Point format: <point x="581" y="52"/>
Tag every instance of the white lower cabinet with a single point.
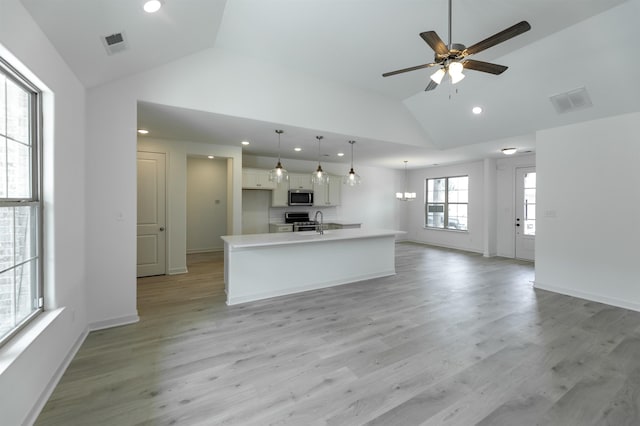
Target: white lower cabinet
<point x="280" y="227"/>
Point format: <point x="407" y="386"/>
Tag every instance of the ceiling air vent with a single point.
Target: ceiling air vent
<point x="114" y="43"/>
<point x="571" y="101"/>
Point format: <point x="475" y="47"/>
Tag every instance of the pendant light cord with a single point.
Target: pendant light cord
<point x="279" y="132"/>
<point x="352" y="142"/>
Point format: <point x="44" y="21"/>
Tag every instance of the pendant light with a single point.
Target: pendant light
<point x="319" y="177"/>
<point x="352" y="179"/>
<point x="278" y="174"/>
<point x="406" y="195"/>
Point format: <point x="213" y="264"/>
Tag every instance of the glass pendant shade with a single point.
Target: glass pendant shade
<point x="406" y="195"/>
<point x="319" y="177"/>
<point x="352" y="178"/>
<point x="278" y="174"/>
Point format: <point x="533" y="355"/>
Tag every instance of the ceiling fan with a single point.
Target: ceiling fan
<point x="452" y="58"/>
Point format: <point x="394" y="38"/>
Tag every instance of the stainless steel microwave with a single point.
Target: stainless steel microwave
<point x="300" y="197"/>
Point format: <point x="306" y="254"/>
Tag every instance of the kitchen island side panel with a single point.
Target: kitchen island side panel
<point x="255" y="273"/>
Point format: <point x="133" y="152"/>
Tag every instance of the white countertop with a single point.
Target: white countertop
<point x="274" y="239"/>
<point x="343" y="222"/>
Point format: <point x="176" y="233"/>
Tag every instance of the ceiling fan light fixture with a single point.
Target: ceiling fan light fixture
<point x="455" y="72"/>
<point x="455" y="68"/>
<point x="456" y="78"/>
<point x="438" y="76"/>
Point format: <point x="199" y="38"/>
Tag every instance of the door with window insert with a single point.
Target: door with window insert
<point x="525" y="220"/>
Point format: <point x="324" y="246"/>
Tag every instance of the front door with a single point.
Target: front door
<point x="525" y="220"/>
<point x="151" y="240"/>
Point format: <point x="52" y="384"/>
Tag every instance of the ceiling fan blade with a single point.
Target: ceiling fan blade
<point x="432" y="85"/>
<point x="504" y="35"/>
<point x="496" y="69"/>
<point x="435" y="42"/>
<point x="417" y="67"/>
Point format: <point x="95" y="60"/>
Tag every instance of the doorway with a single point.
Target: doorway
<point x="525" y="209"/>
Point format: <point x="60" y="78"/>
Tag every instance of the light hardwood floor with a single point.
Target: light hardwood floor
<point x="453" y="338"/>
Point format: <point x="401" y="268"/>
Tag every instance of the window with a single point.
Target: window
<point x="20" y="223"/>
<point x="530" y="203"/>
<point x="447" y="202"/>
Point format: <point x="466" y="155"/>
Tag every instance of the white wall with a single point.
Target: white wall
<point x="371" y="203"/>
<point x="177" y="153"/>
<point x="471" y="240"/>
<point x="588" y="209"/>
<point x="31" y="363"/>
<point x="206" y="204"/>
<point x="491" y="206"/>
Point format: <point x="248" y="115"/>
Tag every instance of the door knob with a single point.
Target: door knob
<point x="162" y="228"/>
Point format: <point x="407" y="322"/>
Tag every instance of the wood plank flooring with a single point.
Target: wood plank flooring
<point x="453" y="338"/>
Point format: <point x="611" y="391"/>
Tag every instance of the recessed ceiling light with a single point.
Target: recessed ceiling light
<point x="210" y="157"/>
<point x="143" y="131"/>
<point x="509" y="151"/>
<point x="297" y="149"/>
<point x="152" y="6"/>
<point x="340" y="154"/>
<point x="245" y="142"/>
<point x="476" y="110"/>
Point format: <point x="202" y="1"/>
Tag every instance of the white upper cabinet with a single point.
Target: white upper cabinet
<point x="328" y="194"/>
<point x="256" y="179"/>
<point x="300" y="181"/>
<point x="279" y="195"/>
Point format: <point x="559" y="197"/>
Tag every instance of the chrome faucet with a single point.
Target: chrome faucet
<point x="319" y="228"/>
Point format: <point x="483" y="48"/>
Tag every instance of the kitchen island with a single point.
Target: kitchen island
<point x="260" y="266"/>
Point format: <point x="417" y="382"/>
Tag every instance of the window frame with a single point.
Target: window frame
<point x="36" y="127"/>
<point x="446" y="203"/>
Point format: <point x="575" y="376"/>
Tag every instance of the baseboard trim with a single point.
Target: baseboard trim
<point x="589" y="296"/>
<point x="55" y="379"/>
<point x="268" y="295"/>
<point x="113" y="322"/>
<point x="467" y="249"/>
<point x="209" y="250"/>
<point x="178" y="271"/>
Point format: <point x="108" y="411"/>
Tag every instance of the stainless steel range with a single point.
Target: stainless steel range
<point x="300" y="221"/>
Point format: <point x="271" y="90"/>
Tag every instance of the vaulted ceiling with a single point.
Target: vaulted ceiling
<point x="572" y="44"/>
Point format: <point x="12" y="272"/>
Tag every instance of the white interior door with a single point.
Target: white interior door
<point x="525" y="220"/>
<point x="151" y="235"/>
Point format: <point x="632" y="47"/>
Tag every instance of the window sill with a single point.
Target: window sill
<point x="12" y="350"/>
<point x="457" y="231"/>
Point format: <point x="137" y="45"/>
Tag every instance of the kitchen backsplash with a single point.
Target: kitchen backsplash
<point x="276" y="214"/>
